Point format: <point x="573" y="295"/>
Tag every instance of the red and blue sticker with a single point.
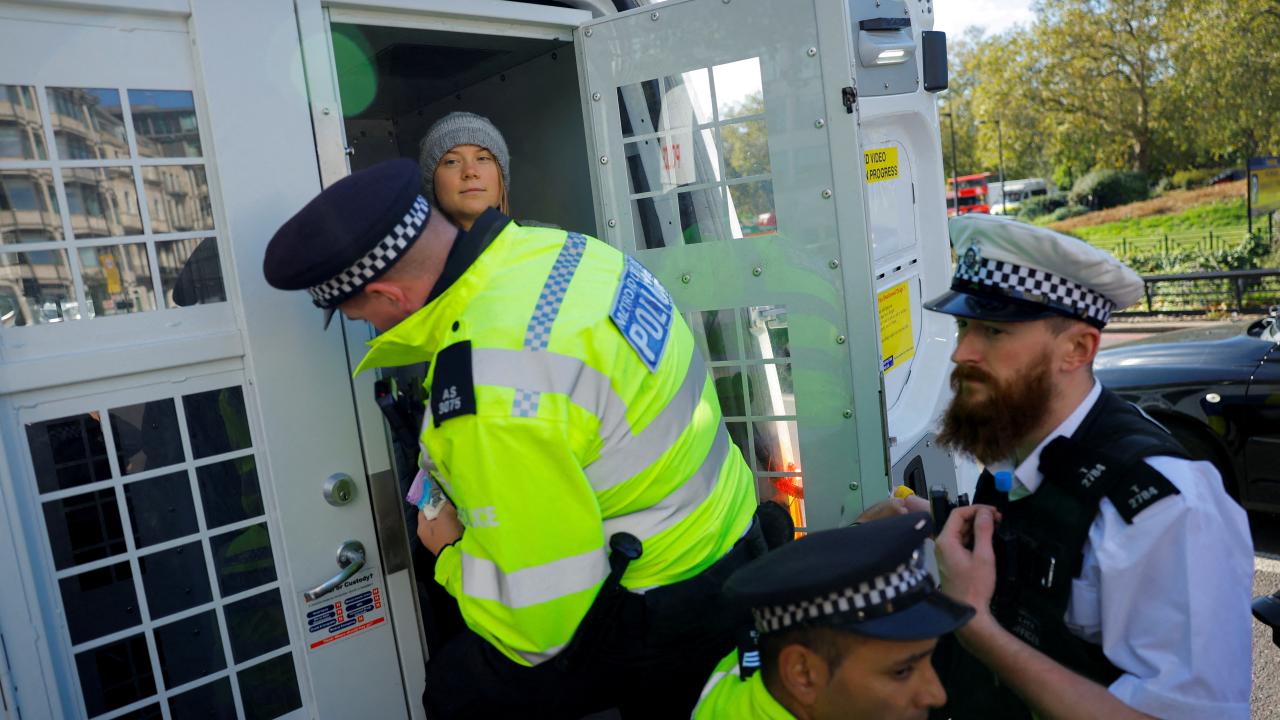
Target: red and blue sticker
<point x="357" y="605"/>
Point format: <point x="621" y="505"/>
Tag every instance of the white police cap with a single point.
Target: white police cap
<point x="1009" y="271"/>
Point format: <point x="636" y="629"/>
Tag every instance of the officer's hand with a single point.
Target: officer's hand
<point x="893" y="507"/>
<point x="440" y="531"/>
<point x="915" y="503"/>
<point x="968" y="575"/>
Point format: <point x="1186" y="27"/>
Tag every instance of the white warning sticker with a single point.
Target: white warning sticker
<point x="356" y="606"/>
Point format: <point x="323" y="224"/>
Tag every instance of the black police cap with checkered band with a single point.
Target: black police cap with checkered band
<point x="349" y="235"/>
<point x="869" y="579"/>
<point x="1007" y="271"/>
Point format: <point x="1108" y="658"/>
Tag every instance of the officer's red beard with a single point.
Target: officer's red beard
<point x="991" y="425"/>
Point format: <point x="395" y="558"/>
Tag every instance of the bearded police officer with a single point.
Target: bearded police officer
<point x="573" y="426"/>
<point x="847" y="620"/>
<point x="1111" y="572"/>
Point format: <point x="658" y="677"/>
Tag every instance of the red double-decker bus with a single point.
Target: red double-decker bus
<point x="973" y="195"/>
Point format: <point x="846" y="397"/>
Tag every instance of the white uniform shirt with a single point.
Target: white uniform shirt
<point x="1168" y="596"/>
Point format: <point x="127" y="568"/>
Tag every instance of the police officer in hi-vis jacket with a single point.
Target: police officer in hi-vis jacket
<point x="595" y="501"/>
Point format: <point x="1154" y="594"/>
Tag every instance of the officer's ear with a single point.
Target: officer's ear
<point x="1079" y="344"/>
<point x="384" y="291"/>
<point x="803" y="673"/>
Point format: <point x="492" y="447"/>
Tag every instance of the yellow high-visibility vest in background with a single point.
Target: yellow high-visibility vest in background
<point x="728" y="695"/>
<point x="553" y="425"/>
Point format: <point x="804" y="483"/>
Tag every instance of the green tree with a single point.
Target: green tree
<point x="957" y="100"/>
<point x="1025" y="130"/>
<point x="1228" y="69"/>
<point x="746" y="152"/>
<point x="1102" y="68"/>
<point x="1150" y="85"/>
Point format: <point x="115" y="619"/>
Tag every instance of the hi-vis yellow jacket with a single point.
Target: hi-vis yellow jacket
<point x="551" y="430"/>
<point x="727" y="696"/>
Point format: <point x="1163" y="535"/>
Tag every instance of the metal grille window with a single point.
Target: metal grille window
<point x="697" y="151"/>
<point x="163" y="559"/>
<point x="747" y="351"/>
<point x="104" y="202"/>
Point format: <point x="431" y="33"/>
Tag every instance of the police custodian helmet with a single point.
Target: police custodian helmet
<point x="349" y="235"/>
<point x="1008" y="271"/>
<point x="869" y="579"/>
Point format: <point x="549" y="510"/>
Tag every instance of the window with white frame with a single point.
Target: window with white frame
<point x="134" y="229"/>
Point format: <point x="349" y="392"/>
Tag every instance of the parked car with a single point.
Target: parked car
<point x="1217" y="389"/>
<point x="1227" y="176"/>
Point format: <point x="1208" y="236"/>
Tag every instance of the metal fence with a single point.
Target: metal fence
<point x="1169" y="243"/>
<point x="1209" y="292"/>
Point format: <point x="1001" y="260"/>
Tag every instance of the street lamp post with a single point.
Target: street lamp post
<point x="955" y="191"/>
<point x="1000" y="150"/>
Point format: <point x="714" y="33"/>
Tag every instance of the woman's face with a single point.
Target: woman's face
<point x="468" y="182"/>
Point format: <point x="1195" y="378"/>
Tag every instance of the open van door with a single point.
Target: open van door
<point x="781" y="189"/>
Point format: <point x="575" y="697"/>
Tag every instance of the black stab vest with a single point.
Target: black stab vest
<point x="1039" y="549"/>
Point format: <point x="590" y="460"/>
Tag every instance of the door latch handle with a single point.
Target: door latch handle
<point x="350" y="559"/>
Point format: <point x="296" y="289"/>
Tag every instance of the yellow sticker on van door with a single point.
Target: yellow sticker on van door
<point x="882" y="164"/>
<point x="897" y="341"/>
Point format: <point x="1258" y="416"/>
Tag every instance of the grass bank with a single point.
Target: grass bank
<point x="1176" y="213"/>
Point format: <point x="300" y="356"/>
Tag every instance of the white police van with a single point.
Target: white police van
<point x="185" y="453"/>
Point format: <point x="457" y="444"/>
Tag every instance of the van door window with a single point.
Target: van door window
<point x="697" y="155"/>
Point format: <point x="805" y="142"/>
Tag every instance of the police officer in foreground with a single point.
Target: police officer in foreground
<point x="847" y="620"/>
<point x="1110" y="571"/>
<point x="572" y="425"/>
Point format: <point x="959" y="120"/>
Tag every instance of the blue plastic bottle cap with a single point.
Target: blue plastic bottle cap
<point x="1004" y="480"/>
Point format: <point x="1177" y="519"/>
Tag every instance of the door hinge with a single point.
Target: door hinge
<point x="848" y="96"/>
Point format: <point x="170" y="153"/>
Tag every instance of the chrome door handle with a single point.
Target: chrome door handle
<point x="350" y="559"/>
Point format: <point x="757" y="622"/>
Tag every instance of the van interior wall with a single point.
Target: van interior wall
<point x="537" y="107"/>
<point x="372" y="140"/>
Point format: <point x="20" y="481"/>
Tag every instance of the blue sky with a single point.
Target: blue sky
<point x="953" y="16"/>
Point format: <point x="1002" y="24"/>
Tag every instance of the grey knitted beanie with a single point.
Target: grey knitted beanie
<point x="452" y="130"/>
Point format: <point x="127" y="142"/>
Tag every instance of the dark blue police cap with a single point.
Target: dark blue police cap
<point x="349" y="235"/>
<point x="869" y="579"/>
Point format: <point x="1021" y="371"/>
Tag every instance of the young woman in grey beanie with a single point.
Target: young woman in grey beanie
<point x="465" y="167"/>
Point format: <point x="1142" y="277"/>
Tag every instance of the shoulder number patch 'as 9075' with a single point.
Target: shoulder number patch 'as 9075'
<point x="643" y="312"/>
<point x="453" y="391"/>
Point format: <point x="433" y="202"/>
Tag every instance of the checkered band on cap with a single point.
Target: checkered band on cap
<point x="870" y="599"/>
<point x="342" y="286"/>
<point x="1038" y="286"/>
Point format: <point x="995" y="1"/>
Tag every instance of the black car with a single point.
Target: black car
<point x="1217" y="389"/>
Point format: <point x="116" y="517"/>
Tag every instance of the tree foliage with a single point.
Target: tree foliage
<point x="746" y="153"/>
<point x="1103" y="188"/>
<point x="1152" y="86"/>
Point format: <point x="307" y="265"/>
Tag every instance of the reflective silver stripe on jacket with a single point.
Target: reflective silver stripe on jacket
<point x="624" y="454"/>
<point x="545" y="311"/>
<point x="548" y="372"/>
<point x="537" y="658"/>
<point x="483" y="580"/>
<point x="712" y="683"/>
<point x="682" y="501"/>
